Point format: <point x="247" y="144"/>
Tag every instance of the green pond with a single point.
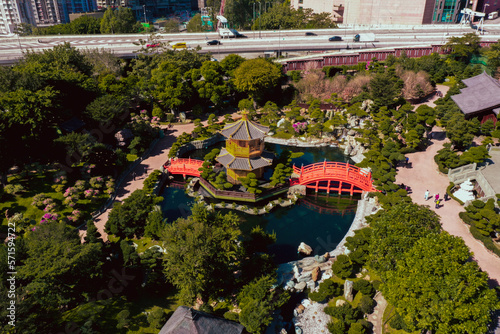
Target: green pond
<point x="320" y="220"/>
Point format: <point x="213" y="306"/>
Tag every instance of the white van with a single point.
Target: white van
<point x="492" y="15"/>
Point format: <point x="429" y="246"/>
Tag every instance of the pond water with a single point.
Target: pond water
<point x="319" y="220"/>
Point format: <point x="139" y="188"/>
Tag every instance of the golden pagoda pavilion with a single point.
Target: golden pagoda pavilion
<point x="244" y="152"/>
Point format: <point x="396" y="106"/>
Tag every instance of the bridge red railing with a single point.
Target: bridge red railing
<point x="311" y="175"/>
<point x="184" y="167"/>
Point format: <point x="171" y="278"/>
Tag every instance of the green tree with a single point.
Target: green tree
<point x="92" y="235"/>
<point x="230" y="63"/>
<point x="169" y="84"/>
<point x="58" y="267"/>
<point x="395" y="230"/>
<point x="202" y="252"/>
<point x="435" y="287"/>
<point x="209" y="82"/>
<point x="475" y="155"/>
<point x="155" y="224"/>
<point x="463" y="47"/>
<point x="157" y="317"/>
<point x="257" y="301"/>
<point x="256" y="76"/>
<point x="118" y="21"/>
<point x="128" y="219"/>
<point x="194" y="25"/>
<point x="251" y="183"/>
<point x="342" y="267"/>
<point x="459" y="132"/>
<point x="85" y="25"/>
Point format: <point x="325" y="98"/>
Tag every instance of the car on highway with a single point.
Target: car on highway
<point x="335" y="39"/>
<point x="179" y="45"/>
<point x="153" y="45"/>
<point x="310" y="34"/>
<point x="238" y="35"/>
<point x="214" y="42"/>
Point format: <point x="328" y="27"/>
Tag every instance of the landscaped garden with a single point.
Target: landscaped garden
<point x="77" y="120"/>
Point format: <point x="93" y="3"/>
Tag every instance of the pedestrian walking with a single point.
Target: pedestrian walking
<point x="133" y="175"/>
<point x="436" y="197"/>
<point x="426" y="195"/>
<point x="446" y="197"/>
<point x="437" y="204"/>
<point x="407" y="161"/>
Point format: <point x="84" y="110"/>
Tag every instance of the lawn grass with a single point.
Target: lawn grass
<point x="37" y="183"/>
<point x="144" y="243"/>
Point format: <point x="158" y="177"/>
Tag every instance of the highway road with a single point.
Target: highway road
<point x="256" y="44"/>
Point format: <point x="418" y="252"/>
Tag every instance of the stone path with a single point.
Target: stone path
<point x="158" y="156"/>
<point x="376" y="318"/>
<point x="423" y="176"/>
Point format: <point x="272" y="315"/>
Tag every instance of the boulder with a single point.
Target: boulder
<point x="296" y="271"/>
<point x="289" y="285"/>
<point x="340" y="302"/>
<point x="305" y="249"/>
<point x="319" y="258"/>
<point x="305" y="277"/>
<point x="311" y="285"/>
<point x="326" y="256"/>
<point x="301" y="286"/>
<point x="348" y="149"/>
<point x="348" y="290"/>
<point x="298" y="330"/>
<point x="316" y="274"/>
<point x="306" y="302"/>
<point x="351" y="133"/>
<point x="300" y="309"/>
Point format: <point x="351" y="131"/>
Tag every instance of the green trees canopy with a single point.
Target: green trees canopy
<point x="463" y="47"/>
<point x="257" y="301"/>
<point x="256" y="76"/>
<point x="169" y="85"/>
<point x="209" y="82"/>
<point x="118" y="21"/>
<point x="58" y="267"/>
<point x="202" y="251"/>
<point x="128" y="219"/>
<point x="394" y="231"/>
<point x="435" y="287"/>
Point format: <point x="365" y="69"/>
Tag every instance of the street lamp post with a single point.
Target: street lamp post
<point x="279" y="41"/>
<point x="144" y="7"/>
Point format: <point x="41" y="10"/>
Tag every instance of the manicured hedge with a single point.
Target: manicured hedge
<point x="448" y="191"/>
<point x="487" y="242"/>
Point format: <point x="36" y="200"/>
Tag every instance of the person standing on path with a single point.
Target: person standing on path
<point x="437" y="204"/>
<point x="407" y="161"/>
<point x="426" y="195"/>
<point x="437" y="197"/>
<point x="133" y="175"/>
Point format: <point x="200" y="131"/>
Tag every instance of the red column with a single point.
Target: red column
<point x="352" y="189"/>
<point x="340" y="187"/>
<point x="328" y="187"/>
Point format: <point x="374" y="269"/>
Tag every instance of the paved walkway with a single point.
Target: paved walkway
<point x="423" y="176"/>
<point x="158" y="156"/>
<point x="376" y="318"/>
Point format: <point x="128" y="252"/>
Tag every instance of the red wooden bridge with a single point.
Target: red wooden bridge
<point x="328" y="175"/>
<point x="336" y="175"/>
<point x="184" y="167"/>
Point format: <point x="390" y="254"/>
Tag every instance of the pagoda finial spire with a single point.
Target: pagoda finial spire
<point x="244" y="115"/>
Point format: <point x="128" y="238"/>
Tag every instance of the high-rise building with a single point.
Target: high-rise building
<point x="381" y="12"/>
<point x="12" y="13"/>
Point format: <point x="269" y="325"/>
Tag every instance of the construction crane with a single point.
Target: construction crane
<point x="468" y="17"/>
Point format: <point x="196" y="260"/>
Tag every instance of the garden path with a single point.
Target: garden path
<point x="376" y="318"/>
<point x="158" y="156"/>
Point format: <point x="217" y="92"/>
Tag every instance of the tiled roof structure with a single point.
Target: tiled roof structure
<point x="482" y="93"/>
<point x="244" y="130"/>
<point x="231" y="162"/>
<point x="185" y="320"/>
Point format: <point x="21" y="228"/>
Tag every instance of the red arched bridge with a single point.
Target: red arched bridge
<point x="336" y="176"/>
<point x="184" y="167"/>
<point x="328" y="175"/>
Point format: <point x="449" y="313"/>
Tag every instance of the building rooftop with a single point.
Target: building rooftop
<point x="186" y="320"/>
<point x="244" y="130"/>
<point x="231" y="162"/>
<point x="482" y="93"/>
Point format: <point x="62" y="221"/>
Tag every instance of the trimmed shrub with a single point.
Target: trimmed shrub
<point x="366" y="305"/>
<point x="364" y="287"/>
<point x="342" y="267"/>
<point x="327" y="289"/>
